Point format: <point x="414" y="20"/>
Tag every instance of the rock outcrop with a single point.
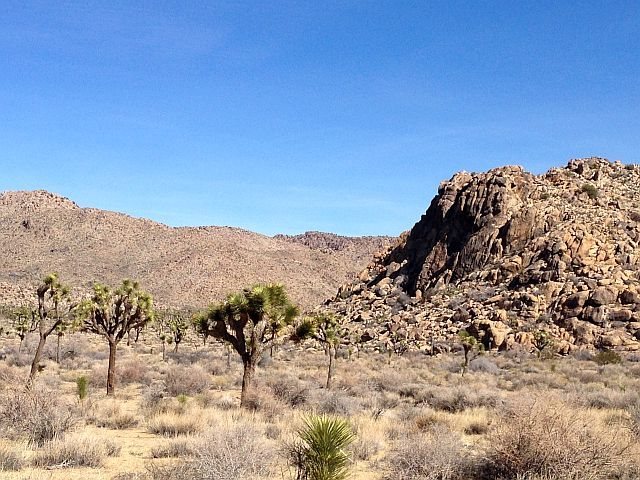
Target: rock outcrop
<point x="505" y="254"/>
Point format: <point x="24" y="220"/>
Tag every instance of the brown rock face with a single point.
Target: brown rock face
<point x="505" y="253"/>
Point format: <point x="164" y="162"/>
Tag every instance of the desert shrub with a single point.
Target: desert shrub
<point x="132" y="370"/>
<point x="607" y="398"/>
<point x="172" y="425"/>
<point x="263" y="401"/>
<point x="582" y="355"/>
<point x="112" y="416"/>
<point x="132" y="476"/>
<point x="9" y="375"/>
<point x="437" y="455"/>
<point x="607" y="357"/>
<point x="186" y="380"/>
<point x="153" y="399"/>
<point x="75" y="451"/>
<point x="174" y="447"/>
<point x="336" y="403"/>
<point x="237" y="452"/>
<point x="10" y="459"/>
<point x="590" y="190"/>
<point x="35" y="415"/>
<point x="543" y="436"/>
<point x="456" y="399"/>
<point x="289" y="391"/>
<point x="483" y="364"/>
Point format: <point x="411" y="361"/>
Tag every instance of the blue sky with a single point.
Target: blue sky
<point x="288" y="116"/>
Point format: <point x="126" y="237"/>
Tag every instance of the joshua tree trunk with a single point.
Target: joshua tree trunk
<point x="111" y="371"/>
<point x="58" y="349"/>
<point x="36" y="359"/>
<point x="247" y="381"/>
<point x="331" y="367"/>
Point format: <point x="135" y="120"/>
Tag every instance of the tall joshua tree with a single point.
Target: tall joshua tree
<point x="54" y="310"/>
<point x="250" y="322"/>
<point x="114" y="312"/>
<point x="324" y="329"/>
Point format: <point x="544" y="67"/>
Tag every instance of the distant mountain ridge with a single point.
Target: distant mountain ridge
<point x="42" y="232"/>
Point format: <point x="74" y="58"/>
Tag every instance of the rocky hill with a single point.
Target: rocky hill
<point x="41" y="232"/>
<point x="507" y="254"/>
<point x="360" y="249"/>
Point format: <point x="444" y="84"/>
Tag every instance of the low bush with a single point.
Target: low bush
<point x="175" y="447"/>
<point x="172" y="425"/>
<point x="436" y="455"/>
<point x="543" y="436"/>
<point x="229" y="453"/>
<point x="190" y="380"/>
<point x="75" y="451"/>
<point x="36" y="415"/>
<point x="10" y="459"/>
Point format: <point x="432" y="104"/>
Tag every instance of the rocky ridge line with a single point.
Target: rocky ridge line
<point x="507" y="253"/>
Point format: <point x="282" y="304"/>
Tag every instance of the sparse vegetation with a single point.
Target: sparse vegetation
<point x="591" y="190"/>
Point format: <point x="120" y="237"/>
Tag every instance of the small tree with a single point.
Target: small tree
<point x="178" y="326"/>
<point x="324" y="329"/>
<point x="470" y="347"/>
<point x="542" y="340"/>
<point x="113" y="313"/>
<point x="200" y="322"/>
<point x="54" y="309"/>
<point x="250" y="321"/>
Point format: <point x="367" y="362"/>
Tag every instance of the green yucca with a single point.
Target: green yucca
<point x="322" y="453"/>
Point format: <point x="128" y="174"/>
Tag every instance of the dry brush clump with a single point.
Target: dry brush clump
<point x="183" y="380"/>
<point x="235" y="452"/>
<point x="36" y="415"/>
<point x="438" y="454"/>
<point x="75" y="451"/>
<point x="10" y="459"/>
<point x="543" y="436"/>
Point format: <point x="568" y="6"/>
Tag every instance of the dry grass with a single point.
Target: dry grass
<point x="172" y="424"/>
<point x="416" y="418"/>
<point x="75" y="451"/>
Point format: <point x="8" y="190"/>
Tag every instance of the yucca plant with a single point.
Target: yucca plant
<point x="321" y="454"/>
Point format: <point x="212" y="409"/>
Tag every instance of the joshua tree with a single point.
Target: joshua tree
<point x="178" y="326"/>
<point x="324" y="329"/>
<point x="200" y="322"/>
<point x="250" y="322"/>
<point x="541" y="340"/>
<point x="112" y="313"/>
<point x="54" y="310"/>
<point x="470" y="346"/>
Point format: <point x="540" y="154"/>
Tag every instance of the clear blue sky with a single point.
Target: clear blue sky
<point x="286" y="116"/>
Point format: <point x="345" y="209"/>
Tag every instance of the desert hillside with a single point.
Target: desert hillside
<point x="41" y="232"/>
<point x="506" y="255"/>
